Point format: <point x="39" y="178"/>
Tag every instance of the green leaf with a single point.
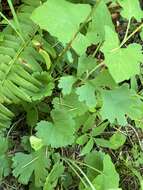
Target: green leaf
<point x="131" y="9"/>
<point x="81" y="43"/>
<point x="52" y="178"/>
<point x="85" y="64"/>
<point x="82" y="139"/>
<point x="115" y="142"/>
<point x="86" y="93"/>
<point x="24" y="165"/>
<point x="46" y="57"/>
<point x="66" y="84"/>
<point x="109" y="179"/>
<point x="95" y="160"/>
<point x="120" y="102"/>
<point x="32" y="116"/>
<point x="4" y="160"/>
<point x="36" y="143"/>
<point x="95" y="32"/>
<point x="88" y="147"/>
<point x="89" y="123"/>
<point x="122" y="63"/>
<point x="103" y="79"/>
<point x="64" y="24"/>
<point x="101" y="17"/>
<point x="60" y="133"/>
<point x="70" y="104"/>
<point x="97" y="130"/>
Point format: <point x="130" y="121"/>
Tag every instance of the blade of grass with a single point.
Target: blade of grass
<point x="76" y="172"/>
<point x="81" y="171"/>
<point x="14" y="15"/>
<point x="12" y="26"/>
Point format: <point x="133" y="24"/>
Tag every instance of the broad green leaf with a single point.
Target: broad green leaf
<point x="60" y="133"/>
<point x="81" y="43"/>
<point x="115" y="142"/>
<point x="88" y="147"/>
<point x="95" y="160"/>
<point x="70" y="104"/>
<point x="102" y="142"/>
<point x="103" y="79"/>
<point x="89" y="123"/>
<point x="66" y="84"/>
<point x="97" y="130"/>
<point x="32" y="116"/>
<point x="120" y="102"/>
<point x="101" y="17"/>
<point x="85" y="64"/>
<point x="82" y="139"/>
<point x="52" y="178"/>
<point x="24" y="165"/>
<point x="85" y="121"/>
<point x="139" y="123"/>
<point x="61" y="18"/>
<point x="131" y="9"/>
<point x="122" y="63"/>
<point x="86" y="93"/>
<point x="95" y="32"/>
<point x="109" y="179"/>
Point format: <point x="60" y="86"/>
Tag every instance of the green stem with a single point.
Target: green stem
<point x="126" y="34"/>
<point x="75" y="172"/>
<point x="84" y="175"/>
<point x="78" y="31"/>
<point x="12" y="26"/>
<point x="134" y="32"/>
<point x="94" y="69"/>
<point x="96" y="170"/>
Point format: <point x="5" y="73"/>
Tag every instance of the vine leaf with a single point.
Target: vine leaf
<point x="86" y="93"/>
<point x="115" y="142"/>
<point x="122" y="63"/>
<point x="101" y="17"/>
<point x="66" y="24"/>
<point x="60" y="133"/>
<point x="85" y="64"/>
<point x="66" y="84"/>
<point x="70" y="104"/>
<point x="120" y="102"/>
<point x="25" y="164"/>
<point x="131" y="9"/>
<point x="52" y="178"/>
<point x="109" y="179"/>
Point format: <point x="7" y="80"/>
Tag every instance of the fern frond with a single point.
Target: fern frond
<point x="21" y="76"/>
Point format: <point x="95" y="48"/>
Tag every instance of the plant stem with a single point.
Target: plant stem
<point x="75" y="172"/>
<point x="94" y="69"/>
<point x="76" y="166"/>
<point x="134" y="32"/>
<point x="78" y="31"/>
<point x="12" y="26"/>
<point x="126" y="34"/>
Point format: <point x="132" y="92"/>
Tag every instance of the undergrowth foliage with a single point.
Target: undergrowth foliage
<point x="71" y="95"/>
